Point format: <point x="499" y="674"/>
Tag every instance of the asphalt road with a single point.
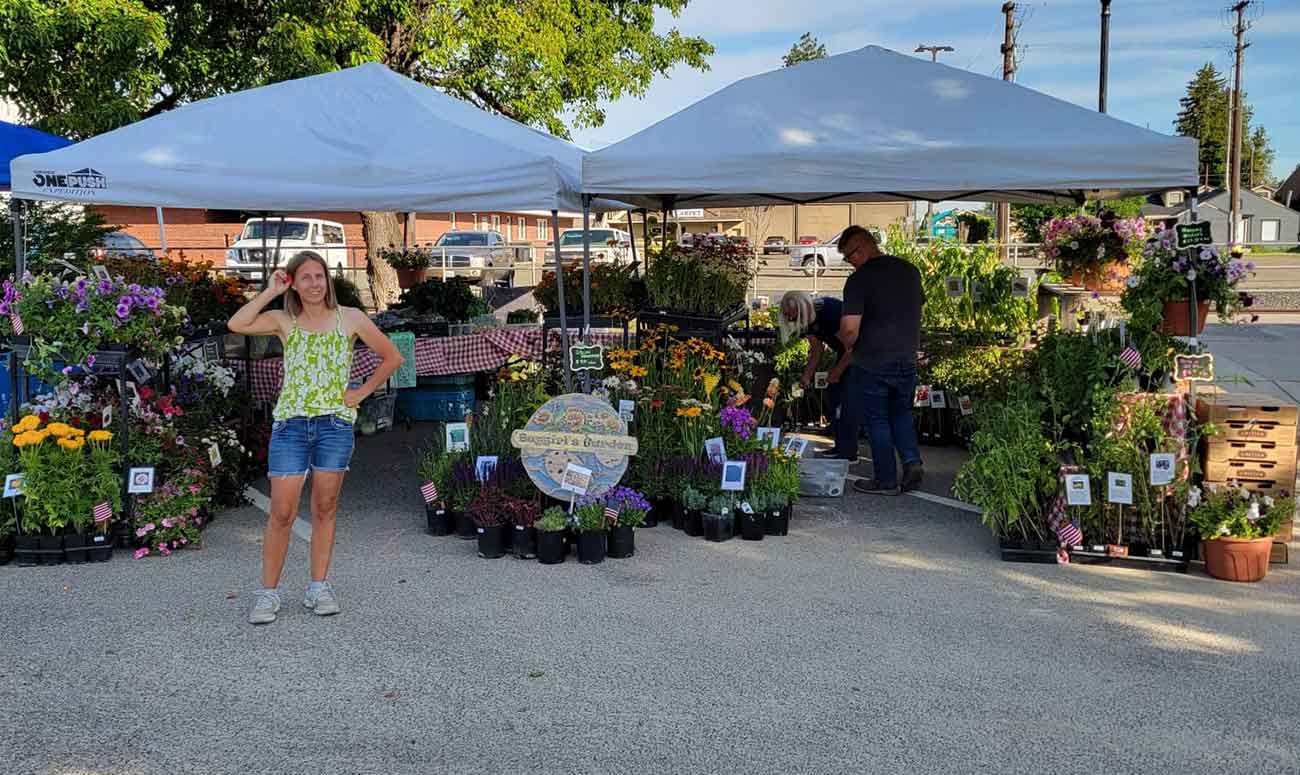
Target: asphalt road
<point x="882" y="636"/>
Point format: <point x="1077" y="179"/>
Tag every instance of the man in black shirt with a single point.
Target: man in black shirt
<point x="881" y="325"/>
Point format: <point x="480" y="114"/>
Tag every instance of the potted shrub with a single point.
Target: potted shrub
<point x="435" y="470"/>
<point x="625" y="510"/>
<point x="753" y="515"/>
<point x="719" y="520"/>
<point x="550" y="536"/>
<point x="694" y="503"/>
<point x="1237" y="529"/>
<point x="1158" y="295"/>
<point x="589" y="515"/>
<point x="411" y="264"/>
<point x="489" y="514"/>
<point x="1094" y="252"/>
<point x="464" y="487"/>
<point x="523" y="516"/>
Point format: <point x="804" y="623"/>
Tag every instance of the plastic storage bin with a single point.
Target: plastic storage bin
<point x="435" y="404"/>
<point x="822" y="478"/>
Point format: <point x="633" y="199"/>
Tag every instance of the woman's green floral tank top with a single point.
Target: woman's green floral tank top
<point x="316" y="371"/>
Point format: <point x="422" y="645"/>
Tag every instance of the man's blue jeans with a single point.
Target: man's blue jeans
<point x="881" y="397"/>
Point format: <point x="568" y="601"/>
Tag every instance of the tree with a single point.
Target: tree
<point x="1030" y="219"/>
<point x="51" y="229"/>
<point x="1203" y="115"/>
<point x="758" y="223"/>
<point x="805" y="49"/>
<point x="86" y="67"/>
<point x="1257" y="153"/>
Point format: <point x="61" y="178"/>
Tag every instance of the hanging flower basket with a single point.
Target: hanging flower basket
<point x="1110" y="277"/>
<point x="1176" y="321"/>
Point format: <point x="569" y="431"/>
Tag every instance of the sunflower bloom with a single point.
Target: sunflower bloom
<point x="710" y="383"/>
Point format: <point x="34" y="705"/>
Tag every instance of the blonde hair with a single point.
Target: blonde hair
<point x="292" y="301"/>
<point x="804" y="312"/>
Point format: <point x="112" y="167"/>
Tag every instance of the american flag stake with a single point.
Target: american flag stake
<point x="1069" y="533"/>
<point x="17" y="322"/>
<point x="429" y="491"/>
<point x="611" y="515"/>
<point x="102" y="512"/>
<point x="1131" y="357"/>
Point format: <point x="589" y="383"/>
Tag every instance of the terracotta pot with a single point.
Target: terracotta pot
<point x="1111" y="277"/>
<point x="1237" y="559"/>
<point x="1176" y="322"/>
<point x="407" y="278"/>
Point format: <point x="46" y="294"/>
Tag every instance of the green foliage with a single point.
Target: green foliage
<point x="553" y="520"/>
<point x="1029" y="220"/>
<point x="1203" y="115"/>
<point x="983" y="373"/>
<point x="709" y="278"/>
<point x="805" y="49"/>
<point x="693" y="499"/>
<point x="1012" y="471"/>
<point x="1226" y="511"/>
<point x="50" y="230"/>
<point x="614" y="289"/>
<point x="1075" y="376"/>
<point x="346" y="293"/>
<point x="979" y="227"/>
<point x="720" y="507"/>
<point x="522" y="316"/>
<point x="453" y="299"/>
<point x="590" y="516"/>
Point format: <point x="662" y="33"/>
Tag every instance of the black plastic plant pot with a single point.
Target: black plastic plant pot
<point x="51" y="551"/>
<point x="74" y="549"/>
<point x="719" y="527"/>
<point x="525" y="542"/>
<point x="491" y="542"/>
<point x="6" y="550"/>
<point x="1018" y="550"/>
<point x="679" y="516"/>
<point x="694" y="523"/>
<point x="99" y="547"/>
<point x="751" y="525"/>
<point x="27" y="550"/>
<point x="550" y="547"/>
<point x="622" y="542"/>
<point x="591" y="547"/>
<point x="776" y="522"/>
<point x="439" y="521"/>
<point x="465" y="526"/>
<point x="123" y="536"/>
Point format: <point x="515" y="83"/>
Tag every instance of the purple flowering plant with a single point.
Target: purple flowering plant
<point x="1168" y="274"/>
<point x="1080" y="245"/>
<point x="630" y="504"/>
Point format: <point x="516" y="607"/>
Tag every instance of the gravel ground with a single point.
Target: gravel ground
<point x="881" y="635"/>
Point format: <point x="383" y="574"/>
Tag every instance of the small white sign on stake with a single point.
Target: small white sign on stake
<point x="1119" y="488"/>
<point x="795" y="446"/>
<point x="140" y="481"/>
<point x="576" y="479"/>
<point x="626" y="409"/>
<point x="214" y="454"/>
<point x="819" y="379"/>
<point x="1020" y="287"/>
<point x="715" y="449"/>
<point x="922" y="397"/>
<point x="967" y="408"/>
<point x="1078" y="490"/>
<point x="771" y="435"/>
<point x="733" y="476"/>
<point x="106" y="417"/>
<point x="13" y="485"/>
<point x="484" y="465"/>
<point x="457" y="437"/>
<point x="1162" y="468"/>
<point x="938" y="400"/>
<point x="955" y="286"/>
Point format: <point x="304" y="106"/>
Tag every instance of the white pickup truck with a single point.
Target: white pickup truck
<point x="823" y="255"/>
<point x="607" y="245"/>
<point x="295" y="235"/>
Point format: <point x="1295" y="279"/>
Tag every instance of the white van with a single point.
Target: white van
<point x="296" y="235"/>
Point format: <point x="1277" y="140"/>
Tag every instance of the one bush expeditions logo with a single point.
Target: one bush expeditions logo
<point x="84" y="181"/>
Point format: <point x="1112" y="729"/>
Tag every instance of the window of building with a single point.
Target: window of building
<point x="521" y="225"/>
<point x="1270" y="229"/>
<point x="453" y="219"/>
<point x="541" y="229"/>
<point x="473" y="221"/>
<point x="496" y="223"/>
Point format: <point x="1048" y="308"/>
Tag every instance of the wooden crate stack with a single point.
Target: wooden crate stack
<point x="1256" y="446"/>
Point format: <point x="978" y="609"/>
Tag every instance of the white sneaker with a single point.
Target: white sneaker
<point x="265" y="606"/>
<point x="323" y="602"/>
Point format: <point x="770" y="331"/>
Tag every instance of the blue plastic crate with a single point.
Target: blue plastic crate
<point x="419" y="404"/>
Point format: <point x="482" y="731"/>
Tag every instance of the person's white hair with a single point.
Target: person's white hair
<point x="805" y="310"/>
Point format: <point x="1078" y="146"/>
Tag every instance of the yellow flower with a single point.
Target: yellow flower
<point x="698" y="374"/>
<point x="20" y="440"/>
<point x="71" y="444"/>
<point x="710" y="382"/>
<point x="58" y="429"/>
<point x="101" y="436"/>
<point x="638" y="371"/>
<point x="734" y="385"/>
<point x="689" y="411"/>
<point x="28" y="423"/>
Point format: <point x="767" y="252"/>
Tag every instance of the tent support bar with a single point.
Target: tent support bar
<point x="20" y="257"/>
<point x="631" y="237"/>
<point x="586" y="283"/>
<point x="559" y="289"/>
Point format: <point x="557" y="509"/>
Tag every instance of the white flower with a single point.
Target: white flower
<point x="611" y="382"/>
<point x="1223" y="530"/>
<point x="1132" y="282"/>
<point x="1252" y="513"/>
<point x="630" y="386"/>
<point x="1074" y="246"/>
<point x="1194" y="497"/>
<point x="1268" y="501"/>
<point x="1191" y="274"/>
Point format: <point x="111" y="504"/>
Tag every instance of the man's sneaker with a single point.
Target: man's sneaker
<point x="913" y="473"/>
<point x="322" y="601"/>
<point x="872" y="487"/>
<point x="265" y="606"/>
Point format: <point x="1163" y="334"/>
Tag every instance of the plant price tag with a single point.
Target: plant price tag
<point x="819" y="380"/>
<point x="745" y="507"/>
<point x="771" y="435"/>
<point x="715" y="449"/>
<point x="733" y="476"/>
<point x="955" y="286"/>
<point x="1162" y="468"/>
<point x="1119" y="488"/>
<point x="106" y="418"/>
<point x="1078" y="490"/>
<point x="1020" y="287"/>
<point x="938" y="400"/>
<point x="140" y="481"/>
<point x="457" y="437"/>
<point x="214" y="454"/>
<point x="13" y="485"/>
<point x="967" y="408"/>
<point x="626" y="409"/>
<point x="922" y="397"/>
<point x="484" y="465"/>
<point x="576" y="479"/>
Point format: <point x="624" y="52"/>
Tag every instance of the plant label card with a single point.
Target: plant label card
<point x="967" y="408"/>
<point x="586" y="357"/>
<point x="820" y="379"/>
<point x="1119" y="488"/>
<point x="771" y="435"/>
<point x="214" y="454"/>
<point x="795" y="446"/>
<point x="13" y="485"/>
<point x="576" y="479"/>
<point x="922" y="396"/>
<point x="484" y="465"/>
<point x="1020" y="287"/>
<point x="457" y="437"/>
<point x="626" y="409"/>
<point x="976" y="292"/>
<point x="1078" y="490"/>
<point x="955" y="286"/>
<point x="1162" y="469"/>
<point x="211" y="350"/>
<point x="938" y="400"/>
<point x="106" y="417"/>
<point x="140" y="481"/>
<point x="135" y="393"/>
<point x="101" y="273"/>
<point x="745" y="507"/>
<point x="138" y="371"/>
<point x="733" y="476"/>
<point x="715" y="449"/>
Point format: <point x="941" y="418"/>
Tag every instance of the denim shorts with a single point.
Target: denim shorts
<point x="321" y="443"/>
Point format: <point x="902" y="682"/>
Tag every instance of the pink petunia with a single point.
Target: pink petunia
<point x="141" y="552"/>
<point x="149" y="528"/>
<point x="163" y="550"/>
<point x="168" y="522"/>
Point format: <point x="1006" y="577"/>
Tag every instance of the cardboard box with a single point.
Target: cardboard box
<point x="1274" y="487"/>
<point x="1222" y="407"/>
<point x="1222" y="450"/>
<point x="1252" y="430"/>
<point x="1249" y="471"/>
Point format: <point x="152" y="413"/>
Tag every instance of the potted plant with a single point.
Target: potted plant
<point x="782" y="486"/>
<point x="523" y="516"/>
<point x="1159" y="292"/>
<point x="435" y="473"/>
<point x="550" y="536"/>
<point x="589" y="516"/>
<point x="1094" y="252"/>
<point x="719" y="519"/>
<point x="753" y="515"/>
<point x="694" y="502"/>
<point x="489" y="514"/>
<point x="625" y="509"/>
<point x="411" y="264"/>
<point x="1237" y="529"/>
<point x="464" y="487"/>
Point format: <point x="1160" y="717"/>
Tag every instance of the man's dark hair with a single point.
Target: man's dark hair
<point x="850" y="233"/>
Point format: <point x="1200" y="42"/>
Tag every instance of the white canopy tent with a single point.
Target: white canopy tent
<point x="877" y="125"/>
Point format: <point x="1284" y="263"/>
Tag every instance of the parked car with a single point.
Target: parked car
<point x="294" y="235"/>
<point x="775" y="245"/>
<point x="475" y="253"/>
<point x="612" y="245"/>
<point x="808" y="239"/>
<point x="823" y="255"/>
<point x="119" y="244"/>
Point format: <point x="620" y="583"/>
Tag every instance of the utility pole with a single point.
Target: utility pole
<point x="1234" y="179"/>
<point x="1008" y="74"/>
<point x="934" y="51"/>
<point x="1105" y="55"/>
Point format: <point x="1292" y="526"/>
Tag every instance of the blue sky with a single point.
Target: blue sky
<point x="1156" y="47"/>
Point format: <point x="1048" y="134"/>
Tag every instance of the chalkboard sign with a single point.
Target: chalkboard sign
<point x="1193" y="234"/>
<point x="586" y="357"/>
<point x="1194" y="368"/>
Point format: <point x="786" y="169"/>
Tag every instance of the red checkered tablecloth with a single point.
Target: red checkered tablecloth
<point x="484" y="351"/>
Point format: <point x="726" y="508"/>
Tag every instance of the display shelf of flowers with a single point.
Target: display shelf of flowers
<point x="700" y="289"/>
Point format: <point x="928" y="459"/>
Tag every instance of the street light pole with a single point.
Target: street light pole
<point x="1105" y="55"/>
<point x="934" y="51"/>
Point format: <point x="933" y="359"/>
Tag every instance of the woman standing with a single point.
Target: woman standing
<point x="312" y="430"/>
<point x="819" y="320"/>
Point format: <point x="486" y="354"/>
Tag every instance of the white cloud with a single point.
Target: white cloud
<point x="797" y="137"/>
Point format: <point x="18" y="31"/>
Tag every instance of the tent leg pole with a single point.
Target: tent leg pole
<point x="586" y="282"/>
<point x="20" y="257"/>
<point x="266" y="278"/>
<point x="162" y="230"/>
<point x="631" y="236"/>
<point x="559" y="290"/>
